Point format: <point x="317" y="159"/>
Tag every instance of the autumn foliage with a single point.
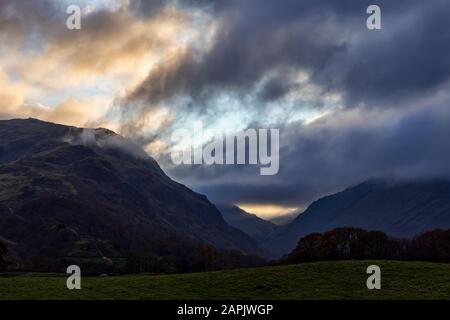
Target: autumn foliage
<point x="358" y="244"/>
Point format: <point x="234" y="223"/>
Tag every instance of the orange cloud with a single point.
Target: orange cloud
<point x="74" y="76"/>
<point x="110" y="43"/>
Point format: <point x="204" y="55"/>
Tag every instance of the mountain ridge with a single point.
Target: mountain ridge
<point x="257" y="228"/>
<point x="402" y="208"/>
<point x="67" y="190"/>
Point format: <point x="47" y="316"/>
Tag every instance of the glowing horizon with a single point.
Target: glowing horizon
<point x="268" y="211"/>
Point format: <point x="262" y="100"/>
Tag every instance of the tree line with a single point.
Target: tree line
<point x="359" y="244"/>
<point x="338" y="244"/>
<point x="194" y="258"/>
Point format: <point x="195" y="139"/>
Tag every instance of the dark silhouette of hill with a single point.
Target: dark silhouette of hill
<point x="257" y="228"/>
<point x="71" y="192"/>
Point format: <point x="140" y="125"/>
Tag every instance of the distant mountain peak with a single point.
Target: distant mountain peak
<point x="257" y="228"/>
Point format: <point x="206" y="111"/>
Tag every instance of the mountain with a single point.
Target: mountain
<point x="283" y="219"/>
<point x="70" y="192"/>
<point x="255" y="227"/>
<point x="401" y="209"/>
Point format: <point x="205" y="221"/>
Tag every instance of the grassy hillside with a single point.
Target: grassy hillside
<point x="321" y="280"/>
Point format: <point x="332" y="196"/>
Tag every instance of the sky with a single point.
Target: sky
<point x="351" y="103"/>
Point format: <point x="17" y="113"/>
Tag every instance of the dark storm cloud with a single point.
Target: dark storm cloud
<point x="404" y="65"/>
<point x="410" y="60"/>
<point x="415" y="145"/>
<point x="335" y="153"/>
<point x="327" y="38"/>
<point x="253" y="38"/>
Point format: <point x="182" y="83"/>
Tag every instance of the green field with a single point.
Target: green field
<point x="320" y="280"/>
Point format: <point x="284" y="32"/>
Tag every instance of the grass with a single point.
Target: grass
<point x="319" y="280"/>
